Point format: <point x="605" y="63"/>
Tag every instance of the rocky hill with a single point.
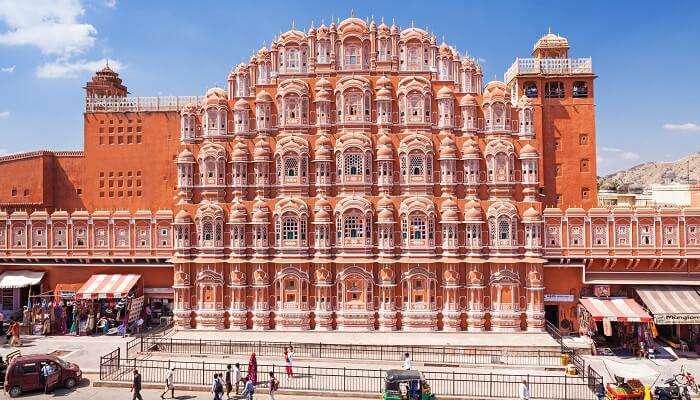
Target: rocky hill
<point x="652" y="172"/>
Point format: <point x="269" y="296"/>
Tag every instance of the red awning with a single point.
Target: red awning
<point x="107" y="286"/>
<point x="615" y="310"/>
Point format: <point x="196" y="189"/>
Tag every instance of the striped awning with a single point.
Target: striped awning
<point x="615" y="310"/>
<point x="672" y="304"/>
<point x="107" y="286"/>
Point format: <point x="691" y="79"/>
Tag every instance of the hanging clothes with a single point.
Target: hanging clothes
<point x="607" y="327"/>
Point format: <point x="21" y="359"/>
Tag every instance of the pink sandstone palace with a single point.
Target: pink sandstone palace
<point x="358" y="176"/>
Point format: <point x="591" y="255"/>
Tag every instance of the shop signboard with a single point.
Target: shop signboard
<point x="601" y="290"/>
<point x="558" y="298"/>
<point x="676" y="319"/>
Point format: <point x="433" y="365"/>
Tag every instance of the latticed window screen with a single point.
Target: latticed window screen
<point x="290" y="229"/>
<point x="645" y="237"/>
<point x="416" y="163"/>
<point x="576" y="238"/>
<point x="291" y="166"/>
<point x="353" y="164"/>
<point x="352" y="226"/>
<point x="503" y="229"/>
<point x="207" y="230"/>
<point x="418" y="228"/>
<point x="600" y="235"/>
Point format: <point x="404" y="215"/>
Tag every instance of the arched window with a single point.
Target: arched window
<point x="291" y="166"/>
<point x="416" y="164"/>
<point x="352" y="57"/>
<point x="207" y="231"/>
<point x="580" y="89"/>
<point x="554" y="90"/>
<point x="414" y="107"/>
<point x="530" y="89"/>
<point x="293" y="60"/>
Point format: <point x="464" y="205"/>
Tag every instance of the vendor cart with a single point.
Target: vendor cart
<point x="630" y="389"/>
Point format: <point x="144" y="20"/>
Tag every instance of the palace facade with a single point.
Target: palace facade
<point x="354" y="176"/>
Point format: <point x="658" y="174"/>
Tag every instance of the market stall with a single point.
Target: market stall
<point x="617" y="325"/>
<point x="676" y="312"/>
<point x="108" y="304"/>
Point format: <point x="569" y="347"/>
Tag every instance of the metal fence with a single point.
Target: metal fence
<point x="438" y="355"/>
<point x="479" y="385"/>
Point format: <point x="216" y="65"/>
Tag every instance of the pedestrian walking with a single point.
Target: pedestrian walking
<point x="237" y="376"/>
<point x="407" y="363"/>
<point x="253" y="369"/>
<point x="273" y="384"/>
<point x="136" y="386"/>
<point x="169" y="383"/>
<point x="217" y="388"/>
<point x="600" y="391"/>
<point x="46" y="371"/>
<point x="288" y="359"/>
<point x="14" y="334"/>
<point x="248" y="390"/>
<point x="523" y="391"/>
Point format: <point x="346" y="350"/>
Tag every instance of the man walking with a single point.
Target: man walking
<point x="46" y="371"/>
<point x="169" y="383"/>
<point x="407" y="364"/>
<point x="14" y="334"/>
<point x="273" y="384"/>
<point x="136" y="386"/>
<point x="523" y="391"/>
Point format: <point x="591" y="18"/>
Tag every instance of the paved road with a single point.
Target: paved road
<point x="97" y="393"/>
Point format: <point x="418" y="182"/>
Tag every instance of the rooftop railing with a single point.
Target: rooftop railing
<point x="555" y="66"/>
<point x="138" y="104"/>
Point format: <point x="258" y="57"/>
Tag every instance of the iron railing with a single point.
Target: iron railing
<point x="317" y="379"/>
<point x="442" y="355"/>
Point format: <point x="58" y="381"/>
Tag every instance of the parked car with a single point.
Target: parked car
<point x="23" y="373"/>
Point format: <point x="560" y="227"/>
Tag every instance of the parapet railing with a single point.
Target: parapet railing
<point x="139" y="104"/>
<point x="564" y="66"/>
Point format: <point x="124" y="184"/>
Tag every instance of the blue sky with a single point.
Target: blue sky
<point x="646" y="57"/>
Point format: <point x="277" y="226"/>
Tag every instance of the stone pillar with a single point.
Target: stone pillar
<point x="535" y="299"/>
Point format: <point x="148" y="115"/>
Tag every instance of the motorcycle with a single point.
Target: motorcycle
<point x="687" y="379"/>
<point x="671" y="391"/>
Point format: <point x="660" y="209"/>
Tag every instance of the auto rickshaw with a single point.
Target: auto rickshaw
<point x="402" y="384"/>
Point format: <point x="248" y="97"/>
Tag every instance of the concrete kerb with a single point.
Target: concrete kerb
<point x="203" y="388"/>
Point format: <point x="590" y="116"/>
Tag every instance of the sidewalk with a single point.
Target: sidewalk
<point x="521" y="340"/>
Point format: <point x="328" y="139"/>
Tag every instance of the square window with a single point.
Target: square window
<point x="111" y="140"/>
<point x="557" y="144"/>
<point x="14" y="192"/>
<point x="79" y="191"/>
<point x="120" y="139"/>
<point x="584" y="165"/>
<point x="583" y="139"/>
<point x="557" y="170"/>
<point x="585" y="193"/>
<point x="26" y="192"/>
<point x="138" y="138"/>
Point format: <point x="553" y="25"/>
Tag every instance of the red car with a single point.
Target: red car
<point x="23" y="374"/>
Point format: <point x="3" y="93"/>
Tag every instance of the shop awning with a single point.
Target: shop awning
<point x="615" y="310"/>
<point x="107" y="286"/>
<point x="19" y="279"/>
<point x="66" y="290"/>
<point x="672" y="304"/>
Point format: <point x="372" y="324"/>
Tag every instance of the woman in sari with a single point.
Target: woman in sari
<point x="253" y="369"/>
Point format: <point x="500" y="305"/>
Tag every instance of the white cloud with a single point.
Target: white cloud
<point x="4" y="114"/>
<point x="686" y="127"/>
<point x="50" y="25"/>
<point x="72" y="69"/>
<point x="621" y="154"/>
<point x="110" y="3"/>
<point x="9" y="70"/>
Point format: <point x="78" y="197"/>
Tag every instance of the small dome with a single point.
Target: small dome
<point x="262" y="150"/>
<point x="444" y="49"/>
<point x="445" y="93"/>
<point x="467" y="100"/>
<point x="385" y="153"/>
<point x="190" y="108"/>
<point x="472" y="214"/>
<point x="449" y="215"/>
<point x="240" y="151"/>
<point x="263" y="97"/>
<point x="386" y="216"/>
<point x="383" y="81"/>
<point x="322" y="202"/>
<point x="322" y="83"/>
<point x="528" y="151"/>
<point x="241" y="105"/>
<point x="238" y="213"/>
<point x="551" y="40"/>
<point x="260" y="278"/>
<point x="215" y="97"/>
<point x="323" y="153"/>
<point x="185" y="156"/>
<point x="384" y="139"/>
<point x="323" y="140"/>
<point x="323" y="95"/>
<point x="531" y="214"/>
<point x="470" y="150"/>
<point x="183" y="217"/>
<point x="448" y="203"/>
<point x="383" y="94"/>
<point x="385" y="202"/>
<point x="447" y="148"/>
<point x="322" y="215"/>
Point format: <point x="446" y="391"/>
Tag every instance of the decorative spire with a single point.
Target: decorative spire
<point x="352" y="13"/>
<point x="293" y="24"/>
<point x="413" y="24"/>
<point x="549" y="30"/>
